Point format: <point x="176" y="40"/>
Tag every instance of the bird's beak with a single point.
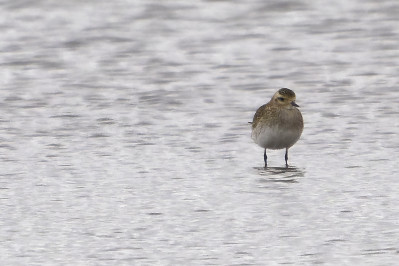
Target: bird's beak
<point x="294" y="104"/>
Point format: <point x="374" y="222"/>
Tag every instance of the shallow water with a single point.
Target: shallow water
<point x="124" y="134"/>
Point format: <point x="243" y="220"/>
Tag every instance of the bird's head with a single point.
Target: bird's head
<point x="285" y="98"/>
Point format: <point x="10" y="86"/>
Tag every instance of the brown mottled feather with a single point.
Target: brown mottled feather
<point x="278" y="124"/>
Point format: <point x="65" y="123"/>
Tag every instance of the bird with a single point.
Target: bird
<point x="278" y="124"/>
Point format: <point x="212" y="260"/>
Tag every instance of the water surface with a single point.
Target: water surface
<point x="125" y="138"/>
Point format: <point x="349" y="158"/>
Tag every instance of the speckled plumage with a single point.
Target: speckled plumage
<point x="278" y="124"/>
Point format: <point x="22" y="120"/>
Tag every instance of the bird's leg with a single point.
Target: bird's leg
<point x="286" y="157"/>
<point x="265" y="158"/>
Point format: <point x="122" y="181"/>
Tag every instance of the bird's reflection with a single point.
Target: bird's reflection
<point x="280" y="174"/>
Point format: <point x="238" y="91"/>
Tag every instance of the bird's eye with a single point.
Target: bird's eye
<point x="281" y="99"/>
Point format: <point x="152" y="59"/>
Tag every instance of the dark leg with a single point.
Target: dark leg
<point x="265" y="158"/>
<point x="286" y="157"/>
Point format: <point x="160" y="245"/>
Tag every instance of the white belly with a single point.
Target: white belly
<point x="275" y="138"/>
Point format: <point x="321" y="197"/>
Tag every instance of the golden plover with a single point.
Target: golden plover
<point x="278" y="124"/>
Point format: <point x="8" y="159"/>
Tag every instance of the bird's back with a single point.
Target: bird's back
<point x="264" y="114"/>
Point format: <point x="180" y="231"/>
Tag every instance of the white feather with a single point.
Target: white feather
<point x="275" y="138"/>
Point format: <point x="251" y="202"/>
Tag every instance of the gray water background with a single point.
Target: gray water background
<point x="124" y="136"/>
